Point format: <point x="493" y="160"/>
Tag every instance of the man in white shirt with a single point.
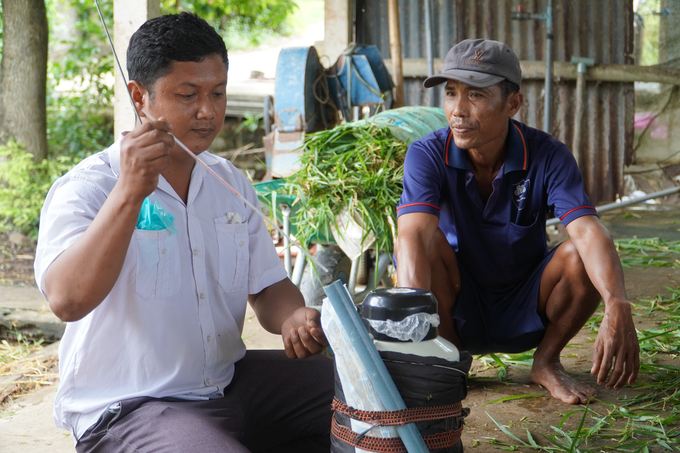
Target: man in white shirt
<point x="152" y="358"/>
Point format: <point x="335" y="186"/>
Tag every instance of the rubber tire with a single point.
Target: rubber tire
<point x="268" y="114"/>
<point x="337" y="266"/>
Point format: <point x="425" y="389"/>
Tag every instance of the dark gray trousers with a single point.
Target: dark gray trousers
<point x="274" y="404"/>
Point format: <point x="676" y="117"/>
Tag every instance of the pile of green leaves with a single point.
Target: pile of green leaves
<point x="357" y="167"/>
<point x="23" y="185"/>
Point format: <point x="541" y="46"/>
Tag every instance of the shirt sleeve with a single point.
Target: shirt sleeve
<point x="70" y="207"/>
<point x="422" y="178"/>
<point x="566" y="193"/>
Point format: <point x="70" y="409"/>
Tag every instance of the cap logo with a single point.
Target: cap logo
<point x="478" y="55"/>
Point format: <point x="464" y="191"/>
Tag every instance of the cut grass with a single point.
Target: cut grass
<point x="358" y="168"/>
<point x="648" y="252"/>
<point x="21" y="370"/>
<point x="649" y="419"/>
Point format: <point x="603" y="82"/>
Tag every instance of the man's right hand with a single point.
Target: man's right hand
<point x="144" y="154"/>
<point x="81" y="277"/>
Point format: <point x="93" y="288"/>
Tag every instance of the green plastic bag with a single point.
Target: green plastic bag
<point x="153" y="217"/>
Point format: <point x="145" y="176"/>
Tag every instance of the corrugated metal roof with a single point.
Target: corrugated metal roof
<point x="599" y="29"/>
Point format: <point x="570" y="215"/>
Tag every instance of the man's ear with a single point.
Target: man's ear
<point x="140" y="96"/>
<point x="514" y="102"/>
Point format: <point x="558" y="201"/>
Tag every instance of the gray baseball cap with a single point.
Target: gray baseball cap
<point x="479" y="63"/>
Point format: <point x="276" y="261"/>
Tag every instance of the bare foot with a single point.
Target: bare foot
<point x="561" y="386"/>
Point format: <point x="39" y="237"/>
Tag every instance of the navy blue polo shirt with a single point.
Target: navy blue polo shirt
<point x="501" y="242"/>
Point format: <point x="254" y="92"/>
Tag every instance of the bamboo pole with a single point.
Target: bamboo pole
<point x="395" y="52"/>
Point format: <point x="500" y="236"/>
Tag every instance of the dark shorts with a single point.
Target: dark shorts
<point x="273" y="404"/>
<point x="500" y="320"/>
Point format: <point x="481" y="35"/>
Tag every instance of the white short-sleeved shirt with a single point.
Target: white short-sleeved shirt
<point x="171" y="325"/>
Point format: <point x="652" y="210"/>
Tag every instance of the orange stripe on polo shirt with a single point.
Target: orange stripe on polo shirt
<point x="419" y="204"/>
<point x="576" y="209"/>
<point x="525" y="147"/>
<point x="446" y="149"/>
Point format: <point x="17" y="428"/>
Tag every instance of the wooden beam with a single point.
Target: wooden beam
<point x="535" y="70"/>
<point x="395" y="52"/>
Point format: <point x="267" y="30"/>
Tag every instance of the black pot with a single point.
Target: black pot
<point x="396" y="304"/>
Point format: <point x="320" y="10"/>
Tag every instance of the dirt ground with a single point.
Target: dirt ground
<point x="16" y="260"/>
<point x="539" y="413"/>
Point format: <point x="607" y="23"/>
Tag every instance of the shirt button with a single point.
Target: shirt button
<point x="202" y="296"/>
<point x="207" y="381"/>
<point x="241" y="243"/>
<point x="164" y="251"/>
<point x="209" y="338"/>
<point x="195" y="252"/>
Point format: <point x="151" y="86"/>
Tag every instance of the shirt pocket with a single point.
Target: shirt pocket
<point x="232" y="241"/>
<point x="158" y="266"/>
<point x="527" y="244"/>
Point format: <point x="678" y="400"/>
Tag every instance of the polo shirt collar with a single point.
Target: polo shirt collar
<point x="517" y="157"/>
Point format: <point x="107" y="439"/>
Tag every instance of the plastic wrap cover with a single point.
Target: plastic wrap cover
<point x="422" y="381"/>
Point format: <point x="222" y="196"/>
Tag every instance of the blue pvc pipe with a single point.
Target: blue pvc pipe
<point x="344" y="307"/>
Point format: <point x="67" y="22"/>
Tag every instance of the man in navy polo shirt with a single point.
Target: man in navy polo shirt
<point x="472" y="230"/>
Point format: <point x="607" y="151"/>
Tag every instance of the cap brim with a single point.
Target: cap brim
<point x="475" y="79"/>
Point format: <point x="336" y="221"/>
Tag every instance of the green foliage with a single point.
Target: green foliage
<point x="251" y="121"/>
<point x="358" y="168"/>
<point x="242" y="23"/>
<point x="80" y="85"/>
<point x="647" y="10"/>
<point x="80" y="91"/>
<point x="23" y="186"/>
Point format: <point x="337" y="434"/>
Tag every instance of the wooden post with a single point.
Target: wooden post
<point x="128" y="16"/>
<point x="582" y="65"/>
<point x="395" y="52"/>
<point x="580" y="113"/>
<point x="337" y="33"/>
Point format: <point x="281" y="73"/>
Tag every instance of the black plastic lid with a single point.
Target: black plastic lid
<point x="396" y="304"/>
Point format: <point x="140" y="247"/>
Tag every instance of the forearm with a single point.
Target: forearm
<point x="413" y="267"/>
<point x="602" y="264"/>
<point x="275" y="304"/>
<point x="82" y="276"/>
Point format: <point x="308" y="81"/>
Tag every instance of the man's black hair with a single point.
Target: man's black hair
<point x="162" y="40"/>
<point x="507" y="88"/>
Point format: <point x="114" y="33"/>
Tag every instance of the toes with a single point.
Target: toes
<point x="565" y="396"/>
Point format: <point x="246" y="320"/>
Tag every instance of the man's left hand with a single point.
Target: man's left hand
<point x="302" y="333"/>
<point x="616" y="343"/>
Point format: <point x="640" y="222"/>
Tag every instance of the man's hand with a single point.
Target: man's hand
<point x="280" y="308"/>
<point x="302" y="334"/>
<point x="616" y="342"/>
<point x="83" y="275"/>
<point x="144" y="154"/>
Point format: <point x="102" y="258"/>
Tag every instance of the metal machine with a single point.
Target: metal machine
<point x="309" y="98"/>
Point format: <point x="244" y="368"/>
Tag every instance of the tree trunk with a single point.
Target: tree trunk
<point x="23" y="75"/>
